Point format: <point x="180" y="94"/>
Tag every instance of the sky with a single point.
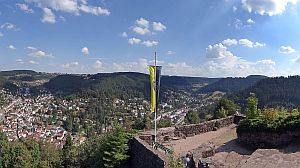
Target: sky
<point x="209" y="38"/>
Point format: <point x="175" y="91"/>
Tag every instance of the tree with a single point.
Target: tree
<point x="295" y="112"/>
<point x="69" y="158"/>
<point x="50" y="156"/>
<point x="138" y="124"/>
<point x="107" y="150"/>
<point x="228" y="105"/>
<point x="175" y="163"/>
<point x="252" y="110"/>
<point x="115" y="148"/>
<point x="164" y="123"/>
<point x="221" y="113"/>
<point x="270" y="114"/>
<point x="192" y="118"/>
<point x="147" y="121"/>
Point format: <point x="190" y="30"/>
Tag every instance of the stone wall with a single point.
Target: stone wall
<point x="195" y="129"/>
<point x="267" y="139"/>
<point x="143" y="155"/>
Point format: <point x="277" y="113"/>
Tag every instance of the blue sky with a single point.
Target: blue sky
<point x="212" y="38"/>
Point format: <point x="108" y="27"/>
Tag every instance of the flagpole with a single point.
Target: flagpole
<point x="155" y="99"/>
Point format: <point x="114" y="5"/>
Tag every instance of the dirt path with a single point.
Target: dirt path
<point x="182" y="146"/>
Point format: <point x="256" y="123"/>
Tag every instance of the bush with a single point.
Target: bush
<point x="192" y="118"/>
<point x="270" y="121"/>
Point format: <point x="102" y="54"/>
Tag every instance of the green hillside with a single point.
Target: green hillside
<point x="278" y="91"/>
<point x="122" y="84"/>
<point x="232" y="85"/>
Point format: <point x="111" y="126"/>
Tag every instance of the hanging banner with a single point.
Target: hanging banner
<point x="152" y="70"/>
<point x="155" y="73"/>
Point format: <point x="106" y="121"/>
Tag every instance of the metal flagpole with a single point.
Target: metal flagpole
<point x="155" y="97"/>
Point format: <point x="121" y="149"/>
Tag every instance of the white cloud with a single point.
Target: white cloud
<point x="234" y="8"/>
<point x="124" y="34"/>
<point x="12" y="47"/>
<point x="34" y="52"/>
<point x="250" y="44"/>
<point x="31" y="48"/>
<point x="222" y="62"/>
<point x="229" y="42"/>
<point x="94" y="10"/>
<point x="267" y="62"/>
<point x="98" y="65"/>
<point x="84" y="2"/>
<point x="257" y="44"/>
<point x="62" y="18"/>
<point x="250" y="21"/>
<point x="134" y="40"/>
<point x="170" y="52"/>
<point x="267" y="7"/>
<point x="9" y="26"/>
<point x="20" y="61"/>
<point x="69" y="6"/>
<point x="141" y="30"/>
<point x="142" y="22"/>
<point x="33" y="62"/>
<point x="1" y="34"/>
<point x="149" y="43"/>
<point x="217" y="51"/>
<point x="24" y="8"/>
<point x="286" y="50"/>
<point x="157" y="26"/>
<point x="141" y="26"/>
<point x="141" y="65"/>
<point x="85" y="51"/>
<point x="246" y="43"/>
<point x="48" y="16"/>
<point x="238" y="24"/>
<point x="70" y="65"/>
<point x="181" y="68"/>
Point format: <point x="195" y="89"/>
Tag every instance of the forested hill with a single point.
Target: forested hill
<point x="278" y="91"/>
<point x="122" y="84"/>
<point x="232" y="85"/>
<point x="12" y="80"/>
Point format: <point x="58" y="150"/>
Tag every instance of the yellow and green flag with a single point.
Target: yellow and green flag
<point x="155" y="72"/>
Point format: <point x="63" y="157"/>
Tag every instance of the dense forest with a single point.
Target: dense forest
<point x="108" y="150"/>
<point x="232" y="85"/>
<point x="273" y="92"/>
<point x="121" y="85"/>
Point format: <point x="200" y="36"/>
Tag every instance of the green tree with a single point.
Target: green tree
<point x="138" y="124"/>
<point x="175" y="163"/>
<point x="252" y="110"/>
<point x="164" y="123"/>
<point x="115" y="148"/>
<point x="50" y="156"/>
<point x="192" y="118"/>
<point x="228" y="105"/>
<point x="295" y="112"/>
<point x="107" y="150"/>
<point x="270" y="114"/>
<point x="69" y="158"/>
<point x="221" y="113"/>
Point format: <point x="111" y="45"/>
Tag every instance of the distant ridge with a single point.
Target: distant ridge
<point x="231" y="85"/>
<point x="119" y="83"/>
<point x="275" y="91"/>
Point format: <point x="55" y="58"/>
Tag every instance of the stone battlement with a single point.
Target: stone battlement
<point x="143" y="155"/>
